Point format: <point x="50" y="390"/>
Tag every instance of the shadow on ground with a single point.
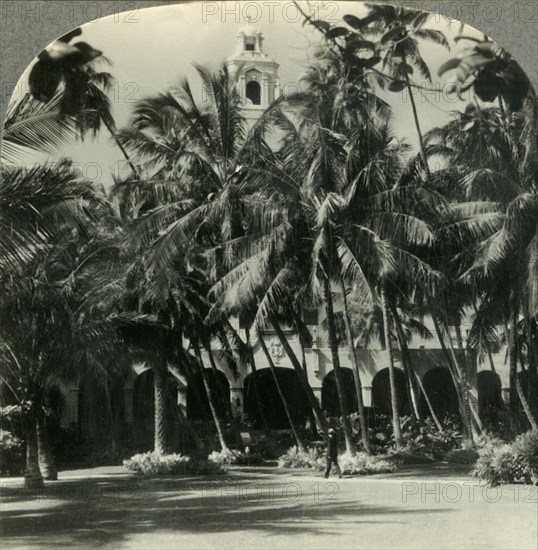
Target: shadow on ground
<point x="109" y="509"/>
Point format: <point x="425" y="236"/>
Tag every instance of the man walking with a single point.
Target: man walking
<point x="332" y="454"/>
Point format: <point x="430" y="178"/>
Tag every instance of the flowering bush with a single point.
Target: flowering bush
<point x="295" y="457"/>
<point x="363" y="464"/>
<point x="11" y="459"/>
<point x="499" y="462"/>
<point x="152" y="464"/>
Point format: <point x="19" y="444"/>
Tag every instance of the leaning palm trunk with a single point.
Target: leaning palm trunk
<point x="346" y="424"/>
<point x="159" y="386"/>
<point x="356" y="374"/>
<point x="417" y="126"/>
<point x="392" y="375"/>
<point x="112" y="130"/>
<point x="516" y="389"/>
<point x="454" y="372"/>
<point x="406" y="360"/>
<point x="233" y="422"/>
<point x="300" y="325"/>
<point x="293" y="425"/>
<point x="525" y="405"/>
<point x="32" y="474"/>
<point x="210" y="398"/>
<point x="428" y="402"/>
<point x="312" y="400"/>
<point x="257" y="392"/>
<point x="463" y="392"/>
<point x="184" y="421"/>
<point x="47" y="465"/>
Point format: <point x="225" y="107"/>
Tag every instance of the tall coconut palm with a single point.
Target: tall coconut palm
<point x="500" y="189"/>
<point x="400" y="32"/>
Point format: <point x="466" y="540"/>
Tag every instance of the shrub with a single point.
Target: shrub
<point x="224" y="457"/>
<point x="526" y="446"/>
<point x="295" y="457"/>
<point x="152" y="464"/>
<point x="234" y="456"/>
<point x="499" y="462"/>
<point x="11" y="454"/>
<point x="421" y="438"/>
<point x="363" y="464"/>
<point x="360" y="464"/>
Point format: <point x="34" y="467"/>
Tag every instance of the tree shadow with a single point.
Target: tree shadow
<point x="94" y="512"/>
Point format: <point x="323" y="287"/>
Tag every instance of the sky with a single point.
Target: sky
<point x="152" y="49"/>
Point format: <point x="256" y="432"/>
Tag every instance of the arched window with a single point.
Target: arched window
<point x="254" y="92"/>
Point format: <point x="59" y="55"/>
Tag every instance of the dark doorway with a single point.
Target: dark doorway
<point x="381" y="392"/>
<point x="329" y="393"/>
<point x="197" y="401"/>
<point x="441" y="391"/>
<point x="272" y="402"/>
<point x="490" y="403"/>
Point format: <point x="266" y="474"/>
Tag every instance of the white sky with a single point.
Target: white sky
<point x="153" y="48"/>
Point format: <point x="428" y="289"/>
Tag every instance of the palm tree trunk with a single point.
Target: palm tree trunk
<point x="461" y="383"/>
<point x="356" y="375"/>
<point x="333" y="344"/>
<point x="293" y="425"/>
<point x="233" y="423"/>
<point x="512" y="338"/>
<point x="191" y="378"/>
<point x="525" y="405"/>
<point x="47" y="465"/>
<point x="412" y="393"/>
<point x="455" y="373"/>
<point x="312" y="418"/>
<point x="406" y="359"/>
<point x="257" y="392"/>
<point x="532" y="346"/>
<point x="111" y="422"/>
<point x="417" y="126"/>
<point x="159" y="387"/>
<point x="314" y="403"/>
<point x="192" y="432"/>
<point x="392" y="375"/>
<point x="465" y="377"/>
<point x="428" y="402"/>
<point x="32" y="474"/>
<point x="300" y="326"/>
<point x="210" y="398"/>
<point x="112" y="132"/>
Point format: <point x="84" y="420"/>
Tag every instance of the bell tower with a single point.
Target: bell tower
<point x="257" y="73"/>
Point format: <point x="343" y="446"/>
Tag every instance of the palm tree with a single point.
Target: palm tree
<point x="400" y="31"/>
<point x="43" y="339"/>
<point x="500" y="189"/>
<point x="291" y="420"/>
